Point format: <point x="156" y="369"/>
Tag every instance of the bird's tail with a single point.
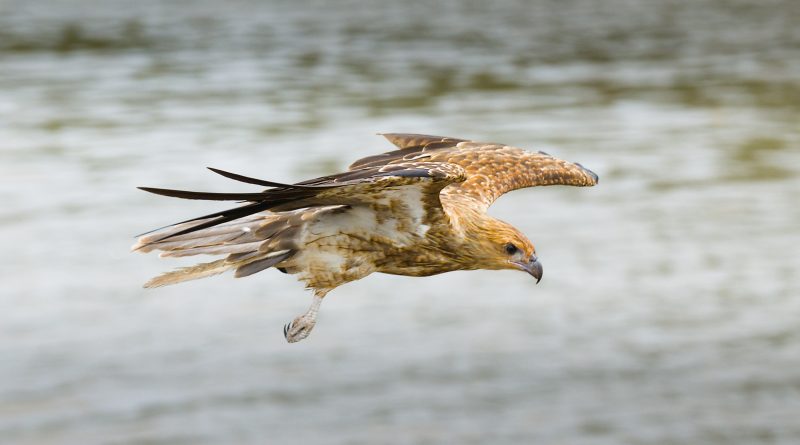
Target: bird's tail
<point x="250" y="244"/>
<point x="202" y="270"/>
<point x="189" y="273"/>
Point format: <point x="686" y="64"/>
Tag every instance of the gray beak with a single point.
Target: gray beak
<point x="533" y="267"/>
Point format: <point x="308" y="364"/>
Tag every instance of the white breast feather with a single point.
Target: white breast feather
<point x="361" y="220"/>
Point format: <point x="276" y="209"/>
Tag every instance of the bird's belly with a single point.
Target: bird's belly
<point x="349" y="244"/>
<point x="333" y="261"/>
<point x="416" y="263"/>
<point x="414" y="271"/>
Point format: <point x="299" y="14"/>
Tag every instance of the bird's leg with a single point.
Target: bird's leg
<point x="301" y="326"/>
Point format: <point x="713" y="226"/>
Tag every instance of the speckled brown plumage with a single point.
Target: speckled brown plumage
<point x="491" y="169"/>
<point x="419" y="210"/>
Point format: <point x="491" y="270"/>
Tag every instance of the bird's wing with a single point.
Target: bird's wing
<point x="404" y="187"/>
<point x="491" y="169"/>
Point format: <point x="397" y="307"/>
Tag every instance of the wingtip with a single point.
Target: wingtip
<point x="590" y="173"/>
<point x="153" y="190"/>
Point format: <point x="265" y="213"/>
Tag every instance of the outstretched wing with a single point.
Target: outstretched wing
<point x="491" y="169"/>
<point x="410" y="187"/>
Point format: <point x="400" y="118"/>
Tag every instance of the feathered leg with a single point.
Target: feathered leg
<point x="301" y="326"/>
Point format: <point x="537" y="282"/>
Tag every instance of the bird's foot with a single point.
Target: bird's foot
<point x="299" y="328"/>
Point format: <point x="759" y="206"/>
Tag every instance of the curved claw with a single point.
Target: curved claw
<point x="298" y="329"/>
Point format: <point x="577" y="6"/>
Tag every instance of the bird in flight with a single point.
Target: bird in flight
<point x="419" y="210"/>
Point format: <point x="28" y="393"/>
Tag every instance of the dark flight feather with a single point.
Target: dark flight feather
<point x="222" y="217"/>
<point x="207" y="196"/>
<point x="256" y="181"/>
<point x="210" y="215"/>
<point x="258" y="266"/>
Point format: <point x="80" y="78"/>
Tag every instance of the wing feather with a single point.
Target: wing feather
<point x="494" y="169"/>
<point x="358" y="187"/>
<point x="491" y="169"/>
<point x="410" y="147"/>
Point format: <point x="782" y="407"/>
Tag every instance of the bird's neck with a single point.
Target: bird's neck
<point x="471" y="240"/>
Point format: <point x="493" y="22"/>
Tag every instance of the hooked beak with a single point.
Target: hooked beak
<point x="533" y="267"/>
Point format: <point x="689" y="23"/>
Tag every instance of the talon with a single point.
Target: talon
<point x="299" y="328"/>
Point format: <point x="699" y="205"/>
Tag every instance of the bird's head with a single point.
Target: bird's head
<point x="505" y="247"/>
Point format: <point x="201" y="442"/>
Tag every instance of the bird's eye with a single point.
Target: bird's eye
<point x="511" y="249"/>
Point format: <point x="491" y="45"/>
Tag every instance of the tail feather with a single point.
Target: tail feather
<point x="201" y="270"/>
<point x="213" y="249"/>
<point x="265" y="263"/>
<point x="260" y="233"/>
<point x="244" y="266"/>
<point x="246" y="248"/>
<point x="175" y="244"/>
<point x="166" y="239"/>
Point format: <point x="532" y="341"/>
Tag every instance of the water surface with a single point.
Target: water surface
<point x="669" y="311"/>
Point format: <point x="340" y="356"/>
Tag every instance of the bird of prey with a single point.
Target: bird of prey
<point x="419" y="210"/>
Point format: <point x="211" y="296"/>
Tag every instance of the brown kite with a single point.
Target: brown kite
<point x="419" y="210"/>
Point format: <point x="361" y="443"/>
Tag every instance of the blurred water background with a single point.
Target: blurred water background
<point x="670" y="308"/>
